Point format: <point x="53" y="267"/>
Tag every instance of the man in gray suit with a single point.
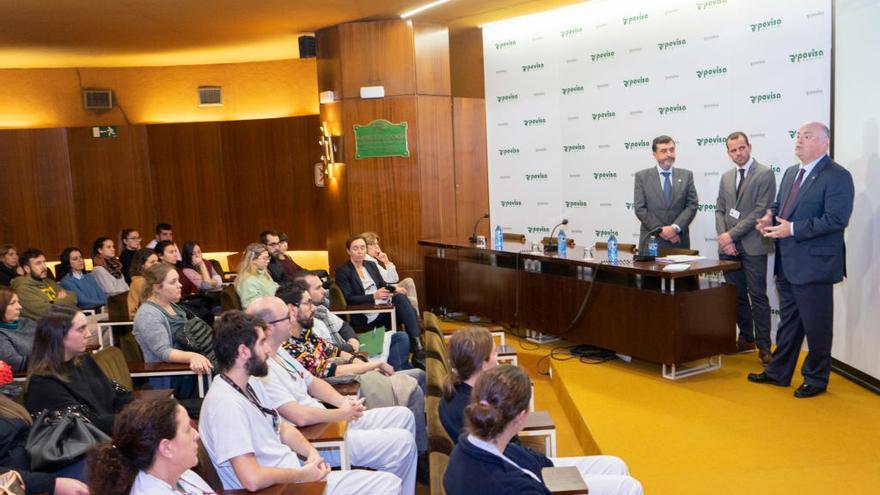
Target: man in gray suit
<point x="745" y="192"/>
<point x="665" y="198"/>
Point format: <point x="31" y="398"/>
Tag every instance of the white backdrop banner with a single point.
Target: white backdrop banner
<point x="575" y="96"/>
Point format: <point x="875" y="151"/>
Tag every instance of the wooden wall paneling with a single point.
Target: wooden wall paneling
<point x="329" y="63"/>
<point x="471" y="166"/>
<point x="436" y="168"/>
<point x="111" y="182"/>
<point x="431" y="44"/>
<point x="466" y="63"/>
<point x="378" y="53"/>
<point x="336" y="214"/>
<point x="36" y="207"/>
<point x="189" y="182"/>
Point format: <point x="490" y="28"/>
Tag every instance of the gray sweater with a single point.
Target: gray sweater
<point x="16" y="345"/>
<point x="154" y="331"/>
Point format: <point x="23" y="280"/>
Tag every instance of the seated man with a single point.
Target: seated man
<point x="381" y="438"/>
<point x="36" y="291"/>
<point x="250" y="446"/>
<point x="281" y="267"/>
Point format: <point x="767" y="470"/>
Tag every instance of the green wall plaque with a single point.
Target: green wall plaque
<point x="380" y="138"/>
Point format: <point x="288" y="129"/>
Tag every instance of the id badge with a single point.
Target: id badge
<point x="734" y="213"/>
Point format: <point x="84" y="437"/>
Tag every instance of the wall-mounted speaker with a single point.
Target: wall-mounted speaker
<point x="97" y="99"/>
<point x="210" y="96"/>
<point x="308" y="48"/>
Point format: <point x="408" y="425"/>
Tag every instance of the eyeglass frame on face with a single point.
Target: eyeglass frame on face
<point x="279" y="320"/>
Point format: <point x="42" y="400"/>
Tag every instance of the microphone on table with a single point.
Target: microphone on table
<point x="473" y="237"/>
<point x="552" y="243"/>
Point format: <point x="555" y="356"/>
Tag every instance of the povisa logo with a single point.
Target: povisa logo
<point x="709" y="141"/>
<point x="606" y="55"/>
<point x="533" y="122"/>
<point x="576" y="204"/>
<point x="538" y="230"/>
<point x="573" y="31"/>
<point x="813" y="54"/>
<point x="634" y="19"/>
<point x="706" y="207"/>
<point x="677" y="108"/>
<point x="776" y="169"/>
<point x="508" y="151"/>
<point x="538" y="176"/>
<point x="640" y="81"/>
<point x="764" y="25"/>
<point x="534" y="66"/>
<point x="630" y="205"/>
<point x="667" y="45"/>
<point x="604" y="175"/>
<point x="573" y="148"/>
<point x="572" y="89"/>
<point x="765" y="98"/>
<point x="604" y="115"/>
<point x="632" y="145"/>
<point x="507" y="98"/>
<point x="717" y="71"/>
<point x="511" y="204"/>
<point x="710" y="4"/>
<point x="505" y="44"/>
<point x="792" y="134"/>
<point x="602" y="233"/>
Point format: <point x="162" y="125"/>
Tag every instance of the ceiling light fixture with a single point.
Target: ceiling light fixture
<point x="422" y="8"/>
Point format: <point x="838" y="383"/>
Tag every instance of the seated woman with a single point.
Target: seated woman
<point x="361" y="283"/>
<point x="62" y="374"/>
<point x="167" y="252"/>
<point x="71" y="273"/>
<point x="142" y="259"/>
<point x="130" y="243"/>
<point x="253" y="278"/>
<point x="16" y="333"/>
<point x="473" y="359"/>
<point x="388" y="270"/>
<point x="153" y="448"/>
<point x="15" y="423"/>
<point x="198" y="272"/>
<point x="156" y="322"/>
<point x="9" y="267"/>
<point x="107" y="267"/>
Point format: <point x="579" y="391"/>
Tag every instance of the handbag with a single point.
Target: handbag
<point x="60" y="438"/>
<point x="196" y="336"/>
<point x="11" y="483"/>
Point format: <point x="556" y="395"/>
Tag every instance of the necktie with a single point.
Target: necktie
<point x="742" y="178"/>
<point x="667" y="188"/>
<point x="789" y="202"/>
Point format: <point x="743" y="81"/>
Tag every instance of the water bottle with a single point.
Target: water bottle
<point x="652" y="246"/>
<point x="612" y="249"/>
<point x="560" y="243"/>
<point x="499" y="238"/>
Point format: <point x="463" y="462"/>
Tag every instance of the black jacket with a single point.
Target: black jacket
<point x="473" y="470"/>
<point x="348" y="280"/>
<point x="13" y="434"/>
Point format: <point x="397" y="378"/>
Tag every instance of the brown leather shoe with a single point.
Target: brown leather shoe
<point x="765" y="357"/>
<point x="743" y="346"/>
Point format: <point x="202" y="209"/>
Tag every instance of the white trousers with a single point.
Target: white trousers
<point x="603" y="474"/>
<point x="361" y="482"/>
<point x="383" y="439"/>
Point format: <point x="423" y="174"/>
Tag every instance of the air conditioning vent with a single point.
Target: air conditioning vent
<point x="210" y="96"/>
<point x="98" y="99"/>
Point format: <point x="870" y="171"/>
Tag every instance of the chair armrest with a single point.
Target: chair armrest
<point x="539" y="420"/>
<point x="325" y="432"/>
<point x="152" y="394"/>
<point x="351" y="388"/>
<point x="564" y="480"/>
<point x="313" y="488"/>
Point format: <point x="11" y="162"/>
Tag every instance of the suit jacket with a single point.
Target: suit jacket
<point x="348" y="280"/>
<point x="756" y="195"/>
<point x="816" y="252"/>
<point x="652" y="211"/>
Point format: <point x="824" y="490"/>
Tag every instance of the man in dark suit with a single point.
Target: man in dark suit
<point x="745" y="192"/>
<point x="665" y="198"/>
<point x="811" y="211"/>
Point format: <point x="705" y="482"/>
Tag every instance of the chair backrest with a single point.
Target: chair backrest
<point x="430" y="322"/>
<point x="628" y="248"/>
<point x="436" y="376"/>
<point x="218" y="268"/>
<point x="112" y="363"/>
<point x="437" y="462"/>
<point x="435" y="346"/>
<point x="438" y="439"/>
<point x="229" y="299"/>
<point x="206" y="470"/>
<point x="117" y="307"/>
<point x="668" y="251"/>
<point x="337" y="298"/>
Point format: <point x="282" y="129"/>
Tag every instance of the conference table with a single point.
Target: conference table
<point x="635" y="308"/>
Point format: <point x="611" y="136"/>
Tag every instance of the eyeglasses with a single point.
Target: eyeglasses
<point x="308" y="303"/>
<point x="279" y="320"/>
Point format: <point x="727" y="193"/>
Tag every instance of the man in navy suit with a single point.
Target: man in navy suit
<point x="811" y="211"/>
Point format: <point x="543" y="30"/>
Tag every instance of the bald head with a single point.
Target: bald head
<point x="812" y="141"/>
<point x="271" y="309"/>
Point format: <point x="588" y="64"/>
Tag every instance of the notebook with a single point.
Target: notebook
<point x="372" y="341"/>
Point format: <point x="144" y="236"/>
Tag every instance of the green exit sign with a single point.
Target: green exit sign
<point x="104" y="131"/>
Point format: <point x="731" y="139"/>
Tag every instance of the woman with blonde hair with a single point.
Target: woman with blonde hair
<point x="253" y="278"/>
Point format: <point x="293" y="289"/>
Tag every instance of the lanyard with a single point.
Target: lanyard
<point x="288" y="367"/>
<point x="252" y="398"/>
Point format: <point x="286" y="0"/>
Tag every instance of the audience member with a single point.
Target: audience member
<point x="167" y="253"/>
<point x="142" y="260"/>
<point x="248" y="443"/>
<point x="9" y="268"/>
<point x="130" y="240"/>
<point x="253" y="278"/>
<point x="379" y="438"/>
<point x="328" y="325"/>
<point x="107" y="268"/>
<point x="388" y="270"/>
<point x="199" y="275"/>
<point x="15" y="423"/>
<point x="62" y="374"/>
<point x="36" y="290"/>
<point x="361" y="283"/>
<point x="16" y="332"/>
<point x="154" y="445"/>
<point x="157" y="321"/>
<point x="281" y="267"/>
<point x="73" y="277"/>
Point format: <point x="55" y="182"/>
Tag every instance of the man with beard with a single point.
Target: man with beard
<point x="379" y="438"/>
<point x="665" y="199"/>
<point x="281" y="267"/>
<point x="249" y="444"/>
<point x="36" y="291"/>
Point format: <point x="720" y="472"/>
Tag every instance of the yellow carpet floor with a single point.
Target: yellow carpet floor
<point x="713" y="433"/>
